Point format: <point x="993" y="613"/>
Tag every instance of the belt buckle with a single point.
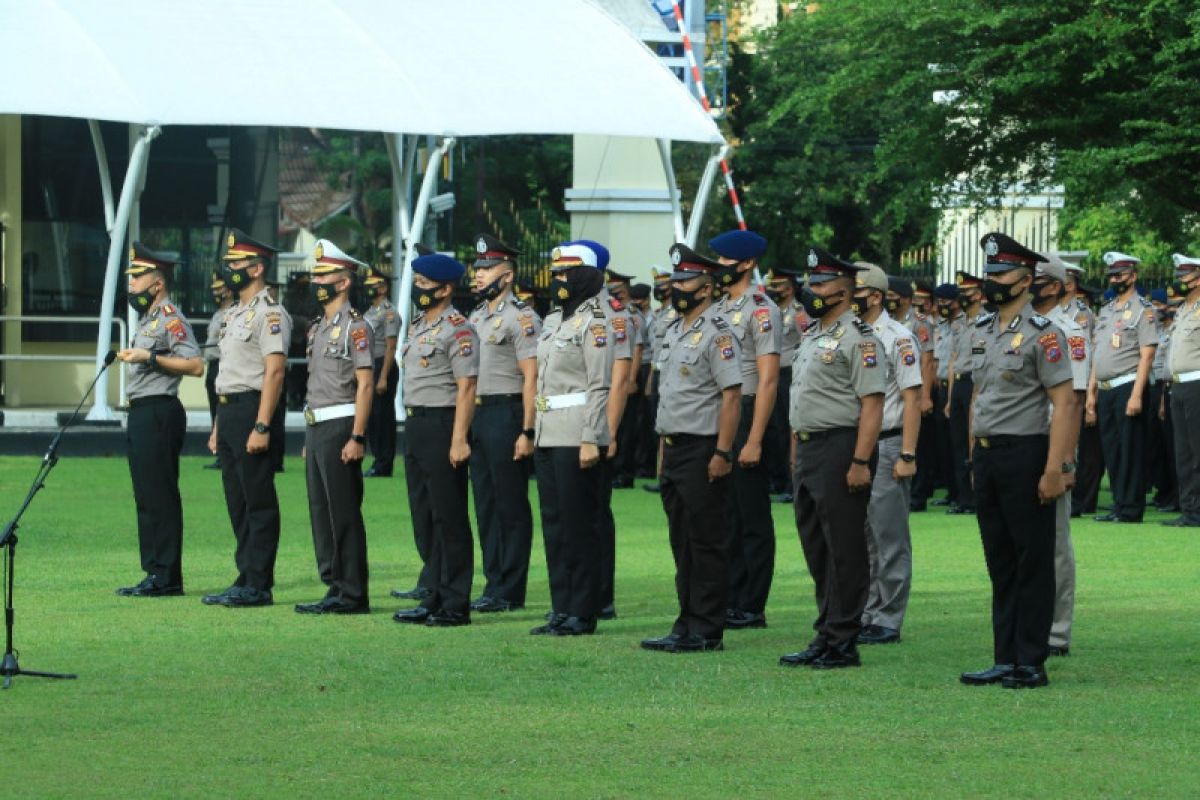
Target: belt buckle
<point x="1175" y="378"/>
<point x="803" y="436"/>
<point x="223" y="399"/>
<point x="667" y="439"/>
<point x="478" y="400"/>
<point x="408" y="410"/>
<point x="542" y="403"/>
<point x="984" y="443"/>
<point x="309" y="417"/>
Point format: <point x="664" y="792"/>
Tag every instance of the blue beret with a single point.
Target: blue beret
<point x="738" y="245"/>
<point x="439" y="267"/>
<point x="946" y="291"/>
<point x="1158" y="295"/>
<point x="600" y="250"/>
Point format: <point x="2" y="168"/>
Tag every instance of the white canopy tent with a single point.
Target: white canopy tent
<point x="409" y="68"/>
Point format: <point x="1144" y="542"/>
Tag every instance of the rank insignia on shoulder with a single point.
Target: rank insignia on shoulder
<point x="724" y="345"/>
<point x="167" y="308"/>
<point x="456" y="319"/>
<point x="984" y="320"/>
<point x="863" y="327"/>
<point x="1049" y="344"/>
<point x="1039" y="322"/>
<point x="599" y="335"/>
<point x="616" y="304"/>
<point x="814" y="323"/>
<point x="720" y="324"/>
<point x="867" y="350"/>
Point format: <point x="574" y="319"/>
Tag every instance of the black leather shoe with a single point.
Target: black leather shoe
<point x="1025" y="678"/>
<point x="695" y="643"/>
<point x="662" y="643"/>
<point x="552" y="621"/>
<point x="574" y="626"/>
<point x="247" y="597"/>
<point x="1167" y="508"/>
<point x="448" y="619"/>
<point x="218" y="598"/>
<point x="986" y="677"/>
<point x="737" y="619"/>
<point x="149" y="587"/>
<point x="783" y="497"/>
<point x="805" y="656"/>
<point x="1109" y="517"/>
<point x="416" y="616"/>
<point x="941" y="501"/>
<point x="479" y="602"/>
<point x="960" y="510"/>
<point x="607" y="613"/>
<point x="838" y="656"/>
<point x="213" y="465"/>
<point x="333" y="605"/>
<point x="622" y="483"/>
<point x="494" y="605"/>
<point x="377" y="472"/>
<point x="877" y="634"/>
<point x="1179" y="522"/>
<point x="916" y="508"/>
<point x="653" y="488"/>
<point x="419" y="593"/>
<point x="1060" y="650"/>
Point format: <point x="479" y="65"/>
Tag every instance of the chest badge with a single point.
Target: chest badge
<point x="1016" y="340"/>
<point x="737" y="318"/>
<point x="424" y="361"/>
<point x="249" y="315"/>
<point x="684" y="370"/>
<point x="696" y="337"/>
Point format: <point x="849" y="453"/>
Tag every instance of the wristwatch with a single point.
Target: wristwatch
<point x="261" y="427"/>
<point x="725" y="454"/>
<point x="862" y="462"/>
<point x="908" y="458"/>
<point x="529" y="433"/>
<point x="152" y="361"/>
<point x="1068" y="467"/>
<point x="358" y="438"/>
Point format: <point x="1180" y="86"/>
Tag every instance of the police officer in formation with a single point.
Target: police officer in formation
<point x="1089" y="458"/>
<point x="660" y="320"/>
<point x="781" y="288"/>
<point x="384" y="320"/>
<point x="337" y="407"/>
<point x="503" y="430"/>
<point x="889" y="544"/>
<point x="1160" y="445"/>
<point x="949" y="320"/>
<point x="624" y="462"/>
<point x="161" y="352"/>
<point x="1126" y="336"/>
<point x="212" y="348"/>
<point x="698" y="416"/>
<point x="253" y="346"/>
<point x="899" y="305"/>
<point x="1019" y="453"/>
<point x="836" y="412"/>
<point x="963" y="360"/>
<point x="441" y="365"/>
<point x="575" y="368"/>
<point x="755" y="322"/>
<point x="645" y="442"/>
<point x="1183" y="362"/>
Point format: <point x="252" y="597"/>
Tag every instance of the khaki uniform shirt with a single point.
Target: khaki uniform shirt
<point x="792" y="320"/>
<point x="1079" y="345"/>
<point x="755" y="321"/>
<point x="385" y="324"/>
<point x="960" y="347"/>
<point x="903" y="366"/>
<point x="574" y="356"/>
<point x="945" y="331"/>
<point x="620" y="325"/>
<point x="660" y="322"/>
<point x="1084" y="315"/>
<point x="1121" y="331"/>
<point x="436" y="355"/>
<point x="336" y="349"/>
<point x="699" y="362"/>
<point x="212" y="350"/>
<point x="922" y="329"/>
<point x="835" y="366"/>
<point x="251" y="332"/>
<point x="1018" y="364"/>
<point x="164" y="331"/>
<point x="507" y="335"/>
<point x="642" y="321"/>
<point x="1184" y="355"/>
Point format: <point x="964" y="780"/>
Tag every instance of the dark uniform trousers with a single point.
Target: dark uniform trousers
<point x="944" y="464"/>
<point x="625" y="466"/>
<point x="381" y="426"/>
<point x="335" y="493"/>
<point x="1018" y="543"/>
<point x="960" y="431"/>
<point x="437" y="497"/>
<point x="210" y="387"/>
<point x="646" y="456"/>
<point x="278" y="441"/>
<point x="777" y="442"/>
<point x="569" y="498"/>
<point x="1124" y="441"/>
<point x="925" y="480"/>
<point x="752" y="551"/>
<point x="696" y="509"/>
<point x="155" y="437"/>
<point x="1185" y="408"/>
<point x="1160" y="446"/>
<point x="831" y="521"/>
<point x="1089" y="470"/>
<point x="501" y="487"/>
<point x="606" y="531"/>
<point x="249" y="481"/>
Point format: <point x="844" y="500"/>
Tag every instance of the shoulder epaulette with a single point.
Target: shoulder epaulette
<point x="478" y="306"/>
<point x="675" y="321"/>
<point x="863" y="328"/>
<point x="720" y="324"/>
<point x="354" y="314"/>
<point x="985" y="319"/>
<point x="271" y="301"/>
<point x="616" y="304"/>
<point x="519" y="303"/>
<point x="814" y="323"/>
<point x="598" y="313"/>
<point x="456" y="319"/>
<point x="315" y="321"/>
<point x="167" y="308"/>
<point x="1039" y="322"/>
<point x="760" y="299"/>
<point x="1145" y="303"/>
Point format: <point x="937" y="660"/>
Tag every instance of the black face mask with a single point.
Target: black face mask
<point x="858" y="305"/>
<point x="1000" y="293"/>
<point x="776" y="296"/>
<point x="1120" y="287"/>
<point x="1038" y="287"/>
<point x="817" y="307"/>
<point x="492" y="290"/>
<point x="323" y="293"/>
<point x="141" y="301"/>
<point x="727" y="275"/>
<point x="661" y="293"/>
<point x="944" y="312"/>
<point x="892" y="306"/>
<point x="426" y="298"/>
<point x="234" y="278"/>
<point x="683" y="301"/>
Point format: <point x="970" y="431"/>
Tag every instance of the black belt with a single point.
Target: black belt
<point x="890" y="434"/>
<point x="239" y="397"/>
<point x="749" y="397"/>
<point x="812" y="436"/>
<point x="961" y="376"/>
<point x="428" y="411"/>
<point x="497" y="399"/>
<point x="671" y="439"/>
<point x="150" y="399"/>
<point x="1006" y="440"/>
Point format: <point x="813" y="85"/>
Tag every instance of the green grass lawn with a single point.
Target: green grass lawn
<point x="178" y="699"/>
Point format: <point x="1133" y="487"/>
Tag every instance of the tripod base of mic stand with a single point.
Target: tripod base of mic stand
<point x="10" y="669"/>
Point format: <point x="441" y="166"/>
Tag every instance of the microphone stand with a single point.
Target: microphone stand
<point x="8" y="540"/>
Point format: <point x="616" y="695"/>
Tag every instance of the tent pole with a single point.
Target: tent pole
<point x="664" y="152"/>
<point x="105" y="176"/>
<point x="706" y="183"/>
<point x="137" y="165"/>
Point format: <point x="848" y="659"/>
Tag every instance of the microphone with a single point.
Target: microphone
<point x="110" y="357"/>
<point x="52" y="450"/>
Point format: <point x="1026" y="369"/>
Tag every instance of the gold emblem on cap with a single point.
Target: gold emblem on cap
<point x="991" y="247"/>
<point x="231" y="241"/>
<point x="320" y="251"/>
<point x="556" y="253"/>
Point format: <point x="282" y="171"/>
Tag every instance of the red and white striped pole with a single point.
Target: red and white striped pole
<point x="698" y="80"/>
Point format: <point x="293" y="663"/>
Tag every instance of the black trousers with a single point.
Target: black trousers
<point x="625" y="465"/>
<point x="960" y="424"/>
<point x="752" y="550"/>
<point x="249" y="481"/>
<point x="381" y="426"/>
<point x="335" y="494"/>
<point x="928" y="452"/>
<point x="777" y="443"/>
<point x="1160" y="446"/>
<point x="1089" y="471"/>
<point x="606" y="532"/>
<point x="647" y="443"/>
<point x="278" y="441"/>
<point x="154" y="434"/>
<point x="210" y="387"/>
<point x="569" y="498"/>
<point x="944" y="476"/>
<point x="501" y="487"/>
<point x="1124" y="441"/>
<point x="1018" y="544"/>
<point x="696" y="509"/>
<point x="437" y="499"/>
<point x="1185" y="408"/>
<point x="831" y="521"/>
